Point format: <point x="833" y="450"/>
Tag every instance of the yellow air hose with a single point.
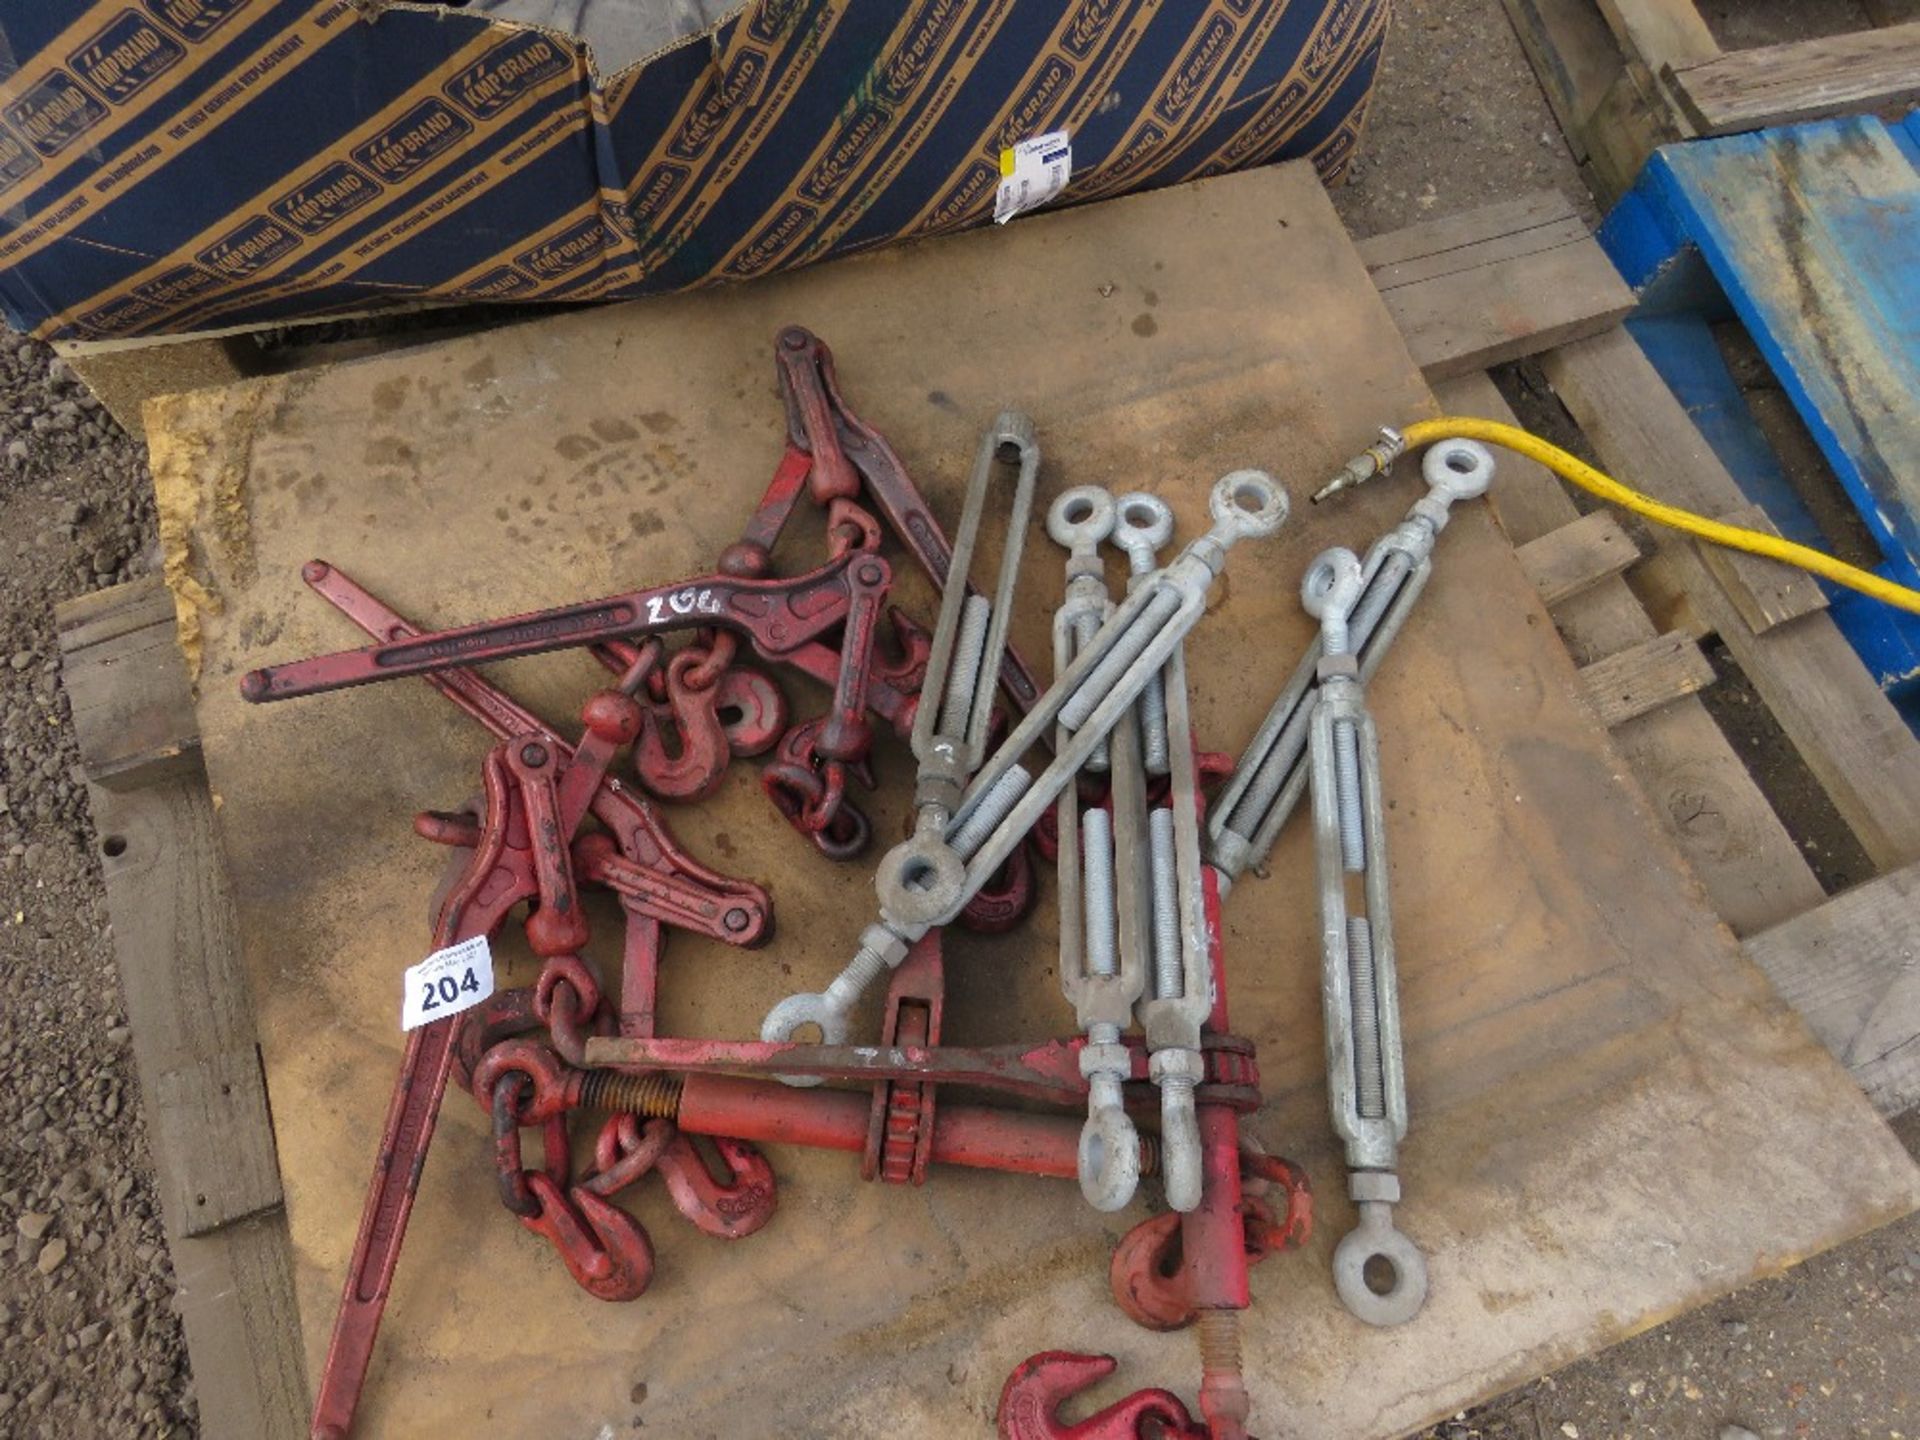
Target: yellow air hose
<point x="1569" y="467"/>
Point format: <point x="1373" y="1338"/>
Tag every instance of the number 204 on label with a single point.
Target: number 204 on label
<point x="447" y="982"/>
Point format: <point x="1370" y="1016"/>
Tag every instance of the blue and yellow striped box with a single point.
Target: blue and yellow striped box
<point x="180" y="165"/>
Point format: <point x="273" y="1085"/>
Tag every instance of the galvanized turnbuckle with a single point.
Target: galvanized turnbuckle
<point x="1004" y="800"/>
<point x="1271" y="776"/>
<point x="1366" y="1077"/>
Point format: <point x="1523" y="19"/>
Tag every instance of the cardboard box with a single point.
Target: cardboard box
<point x="169" y="166"/>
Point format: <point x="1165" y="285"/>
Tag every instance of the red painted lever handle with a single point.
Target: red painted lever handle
<point x="775" y="615"/>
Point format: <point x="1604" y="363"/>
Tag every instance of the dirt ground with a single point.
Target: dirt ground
<point x="89" y="1342"/>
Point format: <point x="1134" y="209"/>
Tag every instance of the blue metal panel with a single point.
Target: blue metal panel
<point x="1682" y="348"/>
<point x="1812" y="235"/>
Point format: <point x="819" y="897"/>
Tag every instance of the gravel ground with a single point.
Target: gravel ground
<point x="91" y="1344"/>
<point x="1457" y="121"/>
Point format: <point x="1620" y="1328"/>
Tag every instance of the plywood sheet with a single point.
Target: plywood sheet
<point x="1594" y="1066"/>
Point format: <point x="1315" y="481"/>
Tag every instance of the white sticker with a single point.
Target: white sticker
<point x="447" y="982"/>
<point x="1032" y="173"/>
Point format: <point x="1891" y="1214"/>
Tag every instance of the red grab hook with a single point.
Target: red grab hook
<point x="604" y="1248"/>
<point x="1148" y="1277"/>
<point x="729" y="1211"/>
<point x="1034" y="1393"/>
<point x="691" y="713"/>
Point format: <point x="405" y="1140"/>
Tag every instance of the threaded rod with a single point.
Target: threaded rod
<point x="655" y="1095"/>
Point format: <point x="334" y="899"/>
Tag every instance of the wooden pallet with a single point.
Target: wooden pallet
<point x="1811" y="237"/>
<point x="1508" y="302"/>
<point x="1522" y="285"/>
<point x="1627" y="76"/>
<point x="194" y="1042"/>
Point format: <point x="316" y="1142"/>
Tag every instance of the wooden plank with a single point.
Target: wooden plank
<point x="1851" y="967"/>
<point x="1851" y="737"/>
<point x="1553" y="1031"/>
<point x="1765" y="592"/>
<point x="1694" y="781"/>
<point x="1802" y="80"/>
<point x="1574" y="56"/>
<point x="194" y="1044"/>
<point x="1576" y="557"/>
<point x="1495" y="284"/>
<point x="234" y="1290"/>
<point x="1660" y="33"/>
<point x="1541" y="212"/>
<point x="1634" y="120"/>
<point x="1656" y="584"/>
<point x="176" y="946"/>
<point x="132" y="708"/>
<point x="1613" y="112"/>
<point x="1653" y="673"/>
<point x="211" y="1119"/>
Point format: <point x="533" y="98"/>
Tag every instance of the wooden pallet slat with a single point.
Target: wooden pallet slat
<point x="1803" y="80"/>
<point x="1660" y="32"/>
<point x="176" y="945"/>
<point x="1625" y="77"/>
<point x="1577" y="556"/>
<point x="1641" y="679"/>
<point x="132" y="710"/>
<point x="1574" y="56"/>
<point x="1697" y="785"/>
<point x="1433" y="249"/>
<point x="1851" y="967"/>
<point x="1765" y="592"/>
<point x="1495" y="284"/>
<point x="1848" y="732"/>
<point x="211" y="1118"/>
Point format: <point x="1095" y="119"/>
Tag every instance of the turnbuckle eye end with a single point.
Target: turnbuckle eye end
<point x="1081" y="517"/>
<point x="1248" y="504"/>
<point x="1332" y="582"/>
<point x="1457" y="469"/>
<point x="787" y="1018"/>
<point x="1109" y="1159"/>
<point x="1380" y="1274"/>
<point x="1142" y="521"/>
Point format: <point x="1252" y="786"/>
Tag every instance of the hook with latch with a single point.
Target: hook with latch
<point x="696" y="762"/>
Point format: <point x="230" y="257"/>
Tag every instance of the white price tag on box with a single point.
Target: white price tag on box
<point x="447" y="982"/>
<point x="1032" y="173"/>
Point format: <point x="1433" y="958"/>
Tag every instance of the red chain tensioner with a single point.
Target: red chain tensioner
<point x="522" y="1082"/>
<point x="521" y="850"/>
<point x="838" y="460"/>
